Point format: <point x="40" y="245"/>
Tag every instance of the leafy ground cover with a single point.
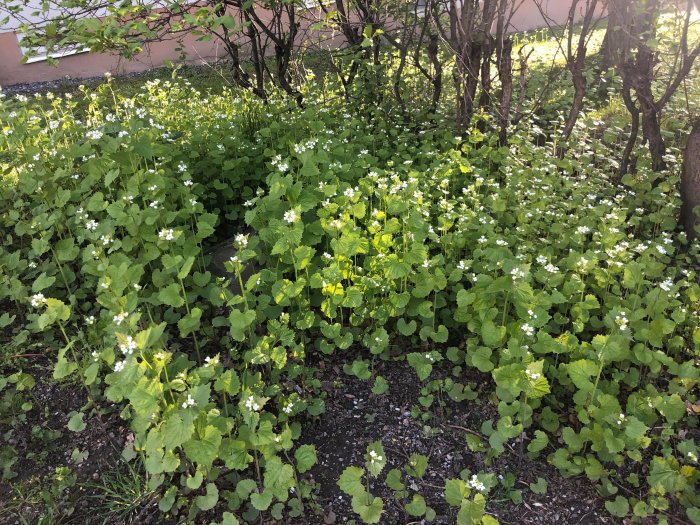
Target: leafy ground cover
<point x="527" y="318"/>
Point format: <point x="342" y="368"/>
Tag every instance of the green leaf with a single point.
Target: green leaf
<point x="417" y="465"/>
<point x="261" y="500"/>
<point x="306" y="457"/>
<point x="538" y="443"/>
<point x="620" y="507"/>
<point x="170" y="295"/>
<point x="277" y="474"/>
<point x="540" y="487"/>
<point x="186" y="267"/>
<point x="380" y="386"/>
<point x="190" y="322"/>
<point x="194" y="482"/>
<point x="245" y="487"/>
<point x="481" y="358"/>
<point x="472" y="511"/>
<point x="455" y="492"/>
<point x="417" y="506"/>
<point x="208" y="501"/>
<point x="239" y="322"/>
<point x="204" y="449"/>
<point x="42" y="282"/>
<point x="405" y="328"/>
<point x="228" y="383"/>
<point x="350" y="481"/>
<point x="228" y="519"/>
<point x="166" y="502"/>
<point x="176" y="431"/>
<point x="369" y="507"/>
<point x="492" y="335"/>
<point x="76" y="423"/>
<point x="581" y="372"/>
<point x="393" y="480"/>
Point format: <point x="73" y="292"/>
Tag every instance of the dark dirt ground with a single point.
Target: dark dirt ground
<point x="354" y="417"/>
<point x="344" y="431"/>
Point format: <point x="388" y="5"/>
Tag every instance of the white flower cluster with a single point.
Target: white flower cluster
<point x="622" y="321"/>
<point x="241" y="240"/>
<point x="291" y="216"/>
<point x="476" y="484"/>
<point x="211" y="361"/>
<point x="373" y="457"/>
<point x="189" y="402"/>
<point x="534" y="376"/>
<point x="128" y="346"/>
<point x="667" y="285"/>
<point x="251" y="404"/>
<point x="166" y="234"/>
<point x="38" y="300"/>
<point x="517" y="273"/>
<point x="119" y="318"/>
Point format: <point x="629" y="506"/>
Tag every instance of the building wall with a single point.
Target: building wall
<point x="84" y="65"/>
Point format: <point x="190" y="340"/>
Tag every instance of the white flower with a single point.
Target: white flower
<point x="188" y="182"/>
<point x="119" y="366"/>
<point x="666" y="285"/>
<point x="251" y="404"/>
<point x="119" y="318"/>
<point x="32" y="265"/>
<point x="583" y="230"/>
<point x="128" y="346"/>
<point x="91" y="225"/>
<point x="210" y="361"/>
<point x="517" y="273"/>
<point x="476" y="484"/>
<point x="152" y="188"/>
<point x="288" y="408"/>
<point x="166" y="234"/>
<point x="189" y="402"/>
<point x="241" y="240"/>
<point x="38" y="300"/>
<point x="290" y="216"/>
<point x="529" y="330"/>
<point x="160" y="356"/>
<point x="373" y="456"/>
<point x="94" y="135"/>
<point x="620" y="419"/>
<point x="349" y="192"/>
<point x="154" y="204"/>
<point x="182" y="167"/>
<point x="462" y="265"/>
<point x="551" y="268"/>
<point x="90" y="320"/>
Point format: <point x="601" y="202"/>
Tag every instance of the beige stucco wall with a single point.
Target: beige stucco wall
<point x="83" y="65"/>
